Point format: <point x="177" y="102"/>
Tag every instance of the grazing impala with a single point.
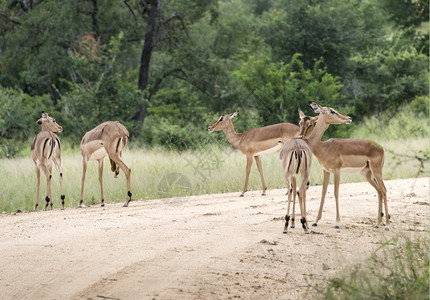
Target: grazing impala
<point x="255" y="142"/>
<point x="107" y="138"/>
<point x="336" y="155"/>
<point x="45" y="149"/>
<point x="296" y="158"/>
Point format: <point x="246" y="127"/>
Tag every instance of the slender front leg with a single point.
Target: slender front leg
<point x="326" y="177"/>
<point x="260" y="170"/>
<point x="37" y="187"/>
<point x="84" y="169"/>
<point x="248" y="169"/>
<point x="336" y="196"/>
<point x="102" y="199"/>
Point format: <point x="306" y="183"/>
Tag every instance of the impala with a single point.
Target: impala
<point x="296" y="158"/>
<point x="341" y="155"/>
<point x="255" y="142"/>
<point x="107" y="138"/>
<point x="45" y="149"/>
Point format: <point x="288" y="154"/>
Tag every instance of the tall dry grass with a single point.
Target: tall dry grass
<point x="159" y="173"/>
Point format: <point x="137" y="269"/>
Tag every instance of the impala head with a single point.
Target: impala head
<point x="330" y="115"/>
<point x="49" y="123"/>
<point x="222" y="122"/>
<point x="306" y="124"/>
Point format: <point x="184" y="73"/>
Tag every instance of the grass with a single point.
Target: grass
<point x="159" y="173"/>
<point x="398" y="269"/>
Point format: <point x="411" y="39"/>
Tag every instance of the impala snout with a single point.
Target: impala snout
<point x="348" y="121"/>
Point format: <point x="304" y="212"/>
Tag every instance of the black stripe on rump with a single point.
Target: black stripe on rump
<point x="291" y="158"/>
<point x="44" y="146"/>
<point x="298" y="164"/>
<point x="117" y="145"/>
<point x="52" y="143"/>
<point x="58" y="141"/>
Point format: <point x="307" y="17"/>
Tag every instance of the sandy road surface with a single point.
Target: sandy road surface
<point x="207" y="247"/>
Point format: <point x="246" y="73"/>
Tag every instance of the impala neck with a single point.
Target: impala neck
<point x="314" y="138"/>
<point x="232" y="137"/>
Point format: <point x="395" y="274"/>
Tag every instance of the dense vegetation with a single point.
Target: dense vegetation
<point x="167" y="68"/>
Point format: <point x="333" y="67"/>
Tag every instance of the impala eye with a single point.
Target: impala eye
<point x="220" y="119"/>
<point x="332" y="111"/>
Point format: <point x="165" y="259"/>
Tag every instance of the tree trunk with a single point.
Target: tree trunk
<point x="148" y="46"/>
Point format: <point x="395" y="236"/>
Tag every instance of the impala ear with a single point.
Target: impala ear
<point x="316" y="107"/>
<point x="44" y="115"/>
<point x="302" y="115"/>
<point x="233" y="115"/>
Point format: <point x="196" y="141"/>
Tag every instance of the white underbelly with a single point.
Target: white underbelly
<point x="345" y="170"/>
<point x="98" y="154"/>
<point x="351" y="170"/>
<point x="270" y="150"/>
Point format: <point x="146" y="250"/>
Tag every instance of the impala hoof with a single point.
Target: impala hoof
<point x="125" y="205"/>
<point x="315" y="224"/>
<point x="376" y="225"/>
<point x="241" y="195"/>
<point x="306" y="232"/>
<point x="285" y="231"/>
<point x="387" y="228"/>
<point x="336" y="226"/>
<point x="293" y="226"/>
<point x="263" y="194"/>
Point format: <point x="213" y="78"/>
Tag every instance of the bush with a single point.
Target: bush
<point x="398" y="269"/>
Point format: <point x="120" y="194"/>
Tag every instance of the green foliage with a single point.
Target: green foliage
<point x="279" y="89"/>
<point x="79" y="61"/>
<point x="331" y="29"/>
<point x="388" y="79"/>
<point x="18" y="115"/>
<point x="398" y="269"/>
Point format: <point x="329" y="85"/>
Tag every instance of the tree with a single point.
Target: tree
<point x="279" y="89"/>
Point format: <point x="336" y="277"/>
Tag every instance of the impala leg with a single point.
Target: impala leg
<point x="287" y="216"/>
<point x="248" y="169"/>
<point x="260" y="170"/>
<point x="117" y="159"/>
<point x="324" y="192"/>
<point x="102" y="199"/>
<point x="368" y="174"/>
<point x="48" y="186"/>
<point x="57" y="162"/>
<point x="37" y="187"/>
<point x="336" y="196"/>
<point x="84" y="170"/>
<point x="381" y="185"/>
<point x="302" y="201"/>
<point x="293" y="191"/>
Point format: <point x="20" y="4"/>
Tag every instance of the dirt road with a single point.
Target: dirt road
<point x="205" y="247"/>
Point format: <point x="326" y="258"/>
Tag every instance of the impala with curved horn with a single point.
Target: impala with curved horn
<point x="255" y="142"/>
<point x="45" y="149"/>
<point x="107" y="138"/>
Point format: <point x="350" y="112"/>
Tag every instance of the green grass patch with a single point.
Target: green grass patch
<point x="398" y="269"/>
